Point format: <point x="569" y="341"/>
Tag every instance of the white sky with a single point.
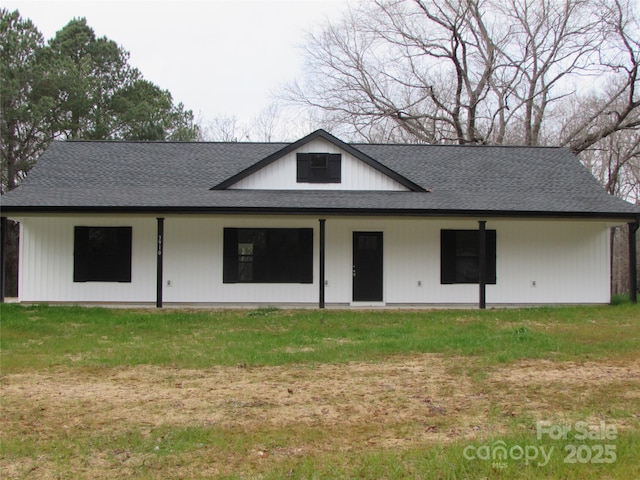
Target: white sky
<point x="217" y="57"/>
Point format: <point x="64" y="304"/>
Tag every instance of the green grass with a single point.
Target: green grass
<point x="94" y="345"/>
<point x="37" y="337"/>
<point x="148" y="455"/>
<point x="444" y="462"/>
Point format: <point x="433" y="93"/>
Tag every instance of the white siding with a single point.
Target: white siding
<point x="193" y="262"/>
<point x="568" y="260"/>
<point x="569" y="263"/>
<point x="281" y="174"/>
<point x="46" y="262"/>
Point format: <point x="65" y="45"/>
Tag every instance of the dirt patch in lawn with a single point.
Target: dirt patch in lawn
<point x="398" y="403"/>
<point x="553" y="390"/>
<point x="244" y="397"/>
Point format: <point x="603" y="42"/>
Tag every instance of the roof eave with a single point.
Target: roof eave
<point x="159" y="210"/>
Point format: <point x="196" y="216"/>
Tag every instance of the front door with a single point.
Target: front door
<point x="367" y="266"/>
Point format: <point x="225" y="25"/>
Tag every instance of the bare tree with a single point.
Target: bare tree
<point x="475" y="71"/>
<point x="226" y="128"/>
<point x="266" y="126"/>
<point x="550" y="42"/>
<point x="615" y="162"/>
<point x="618" y="107"/>
<point x="275" y="123"/>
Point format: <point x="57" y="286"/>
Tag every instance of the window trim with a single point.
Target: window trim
<point x="264" y="271"/>
<point x="108" y="266"/>
<point x="449" y="274"/>
<point x="329" y="172"/>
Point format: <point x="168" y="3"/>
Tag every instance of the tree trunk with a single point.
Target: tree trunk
<point x="620" y="261"/>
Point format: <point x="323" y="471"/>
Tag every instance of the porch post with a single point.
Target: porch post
<point x="159" y="280"/>
<point x="3" y="251"/>
<point x="633" y="276"/>
<point x="482" y="263"/>
<point x="322" y="259"/>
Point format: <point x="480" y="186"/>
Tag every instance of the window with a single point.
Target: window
<point x="268" y="255"/>
<point x="319" y="167"/>
<point x="102" y="254"/>
<point x="459" y="262"/>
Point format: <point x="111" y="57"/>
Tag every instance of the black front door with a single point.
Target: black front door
<point x="367" y="266"/>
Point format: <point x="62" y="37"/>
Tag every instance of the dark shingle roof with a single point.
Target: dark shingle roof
<point x="462" y="180"/>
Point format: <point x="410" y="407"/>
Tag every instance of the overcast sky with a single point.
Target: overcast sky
<point x="217" y="57"/>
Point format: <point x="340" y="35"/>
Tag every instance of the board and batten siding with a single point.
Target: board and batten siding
<point x="281" y="174"/>
<point x="197" y="276"/>
<point x="567" y="260"/>
<point x="46" y="261"/>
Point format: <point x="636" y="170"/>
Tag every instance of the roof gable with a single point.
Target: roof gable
<point x="327" y="137"/>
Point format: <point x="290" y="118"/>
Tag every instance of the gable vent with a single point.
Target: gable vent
<point x="319" y="168"/>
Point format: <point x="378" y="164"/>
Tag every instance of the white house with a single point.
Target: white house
<point x="315" y="222"/>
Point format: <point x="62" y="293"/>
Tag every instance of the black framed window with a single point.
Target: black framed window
<point x="460" y="253"/>
<point x="268" y="255"/>
<point x="319" y="167"/>
<point x="102" y="254"/>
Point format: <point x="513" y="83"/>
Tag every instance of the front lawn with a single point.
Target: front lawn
<point x="115" y="393"/>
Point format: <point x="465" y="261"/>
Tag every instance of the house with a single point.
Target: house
<point x="314" y="222"/>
